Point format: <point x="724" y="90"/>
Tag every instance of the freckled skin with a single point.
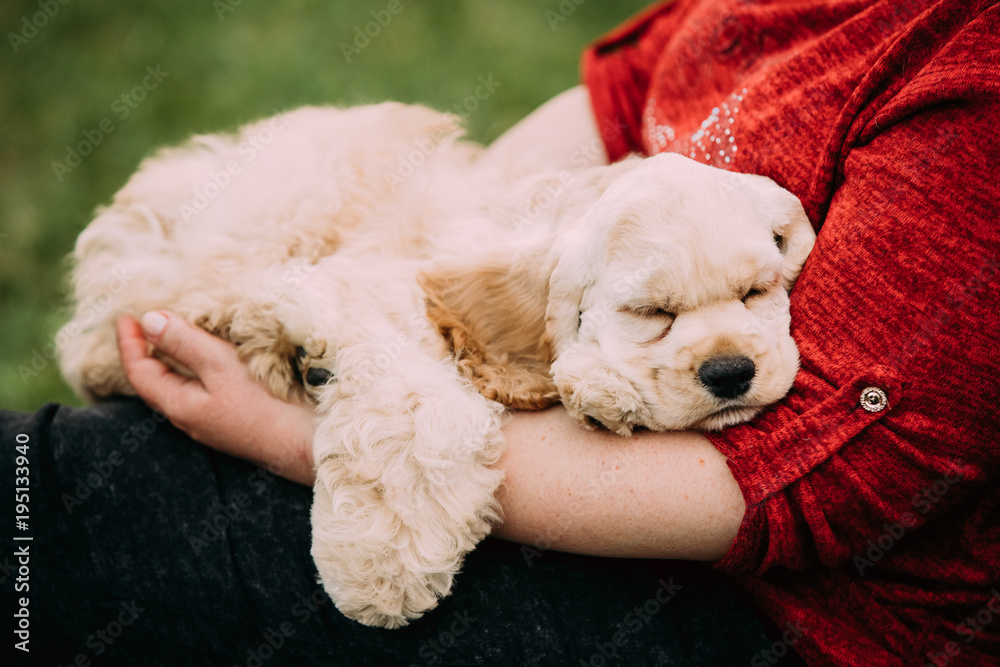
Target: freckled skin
<point x="661" y="495"/>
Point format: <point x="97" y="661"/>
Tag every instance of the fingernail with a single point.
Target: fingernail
<point x="153" y="323"/>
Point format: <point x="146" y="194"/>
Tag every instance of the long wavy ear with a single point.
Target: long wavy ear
<point x="795" y="239"/>
<point x="575" y="253"/>
<point x="491" y="312"/>
<point x="568" y="283"/>
<point x="591" y="390"/>
<point x="791" y="227"/>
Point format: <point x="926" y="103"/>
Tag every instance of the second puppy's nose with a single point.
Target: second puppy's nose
<point x="727" y="377"/>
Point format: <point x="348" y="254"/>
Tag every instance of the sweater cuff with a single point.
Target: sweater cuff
<point x="750" y="545"/>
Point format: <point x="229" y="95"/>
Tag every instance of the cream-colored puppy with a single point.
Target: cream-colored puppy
<point x="665" y="306"/>
<point x="650" y="292"/>
<point x="668" y="305"/>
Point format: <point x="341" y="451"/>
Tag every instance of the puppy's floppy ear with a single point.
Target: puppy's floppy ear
<point x="795" y="238"/>
<point x="492" y="314"/>
<point x="576" y="252"/>
<point x="568" y="283"/>
<point x="590" y="389"/>
<point x="791" y="228"/>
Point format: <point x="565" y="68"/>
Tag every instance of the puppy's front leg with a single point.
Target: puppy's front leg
<point x="404" y="489"/>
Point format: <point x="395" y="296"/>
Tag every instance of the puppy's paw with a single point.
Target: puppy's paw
<point x="316" y="366"/>
<point x="372" y="586"/>
<point x="604" y="396"/>
<point x="381" y="565"/>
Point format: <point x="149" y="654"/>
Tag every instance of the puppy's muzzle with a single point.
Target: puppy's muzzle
<point x="727" y="377"/>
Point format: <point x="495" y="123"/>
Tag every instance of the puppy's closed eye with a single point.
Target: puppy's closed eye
<point x="652" y="311"/>
<point x="753" y="292"/>
<point x="648" y="324"/>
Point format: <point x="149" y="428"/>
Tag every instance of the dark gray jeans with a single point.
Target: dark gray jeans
<point x="149" y="549"/>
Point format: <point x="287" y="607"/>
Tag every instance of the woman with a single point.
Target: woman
<point x="859" y="514"/>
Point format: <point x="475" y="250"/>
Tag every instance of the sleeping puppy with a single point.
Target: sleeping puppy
<point x="665" y="306"/>
<point x="646" y="293"/>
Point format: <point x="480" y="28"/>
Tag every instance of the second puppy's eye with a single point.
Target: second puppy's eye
<point x="753" y="293"/>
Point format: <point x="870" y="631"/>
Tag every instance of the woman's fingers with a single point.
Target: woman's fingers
<point x="152" y="379"/>
<point x="192" y="346"/>
<point x="223" y="407"/>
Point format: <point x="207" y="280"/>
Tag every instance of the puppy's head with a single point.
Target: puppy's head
<point x="668" y="306"/>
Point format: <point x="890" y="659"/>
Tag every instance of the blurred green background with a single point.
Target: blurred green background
<point x="64" y="68"/>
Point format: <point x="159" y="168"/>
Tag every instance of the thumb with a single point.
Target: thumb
<point x="192" y="346"/>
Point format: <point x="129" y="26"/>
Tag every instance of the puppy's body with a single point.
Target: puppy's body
<point x="317" y="240"/>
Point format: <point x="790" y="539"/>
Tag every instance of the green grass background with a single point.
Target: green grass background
<point x="229" y="61"/>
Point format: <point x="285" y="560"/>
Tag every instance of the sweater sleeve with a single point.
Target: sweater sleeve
<point x="617" y="69"/>
<point x="893" y="422"/>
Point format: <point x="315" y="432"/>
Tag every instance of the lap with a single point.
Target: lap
<point x="151" y="549"/>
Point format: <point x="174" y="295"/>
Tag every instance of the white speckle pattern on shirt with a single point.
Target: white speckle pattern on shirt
<point x="713" y="143"/>
<point x="657" y="136"/>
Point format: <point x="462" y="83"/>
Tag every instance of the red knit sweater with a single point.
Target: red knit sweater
<point x="876" y="531"/>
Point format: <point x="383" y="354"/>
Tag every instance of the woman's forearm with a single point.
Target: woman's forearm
<point x="667" y="495"/>
<point x="655" y="495"/>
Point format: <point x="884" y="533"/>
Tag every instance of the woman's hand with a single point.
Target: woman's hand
<point x="223" y="407"/>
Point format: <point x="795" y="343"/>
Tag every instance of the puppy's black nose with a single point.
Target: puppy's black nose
<point x="727" y="377"/>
